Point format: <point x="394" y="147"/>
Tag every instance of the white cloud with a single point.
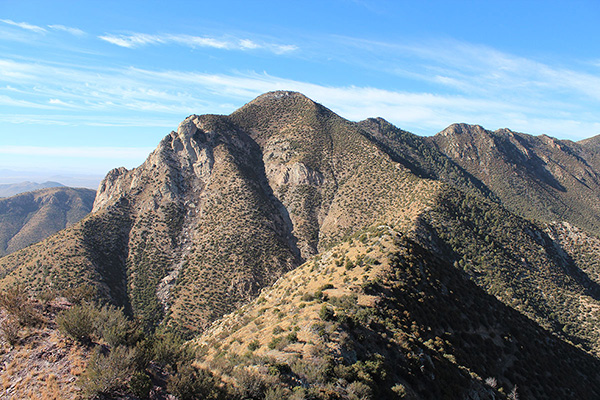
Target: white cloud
<point x="467" y="83"/>
<point x="131" y="41"/>
<point x="141" y="39"/>
<point x="24" y="25"/>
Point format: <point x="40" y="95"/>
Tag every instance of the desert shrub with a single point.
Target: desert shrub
<point x="359" y="391"/>
<point x="399" y="390"/>
<point x="277" y="330"/>
<point x="80" y="294"/>
<point x="253" y="345"/>
<point x="292" y="337"/>
<point x="112" y="325"/>
<point x="277" y="393"/>
<point x="249" y="385"/>
<point x="191" y="383"/>
<point x="9" y="328"/>
<point x="168" y="349"/>
<point x="78" y="322"/>
<point x="107" y="374"/>
<point x="15" y="300"/>
<point x="326" y="313"/>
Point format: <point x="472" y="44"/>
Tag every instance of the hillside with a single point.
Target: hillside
<point x="307" y="256"/>
<point x="31" y="217"/>
<point x="12" y="189"/>
<point x="380" y="316"/>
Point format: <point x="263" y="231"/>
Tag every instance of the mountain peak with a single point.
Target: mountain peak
<point x="461" y="129"/>
<point x="279" y="99"/>
<point x="280" y="94"/>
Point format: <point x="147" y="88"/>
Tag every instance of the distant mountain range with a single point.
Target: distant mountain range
<point x="30" y="217"/>
<point x="305" y="256"/>
<point x="11" y="189"/>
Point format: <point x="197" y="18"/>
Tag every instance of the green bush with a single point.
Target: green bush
<point x="78" y="322"/>
<point x="167" y="349"/>
<point x="108" y="374"/>
<point x="326" y="313"/>
<point x="140" y="384"/>
<point x="112" y="325"/>
<point x="253" y="345"/>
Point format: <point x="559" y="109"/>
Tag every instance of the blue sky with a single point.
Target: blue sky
<point x="86" y="86"/>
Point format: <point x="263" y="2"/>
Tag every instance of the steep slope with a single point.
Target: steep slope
<point x="12" y="189"/>
<point x="538" y="177"/>
<point x="319" y="165"/>
<point x="520" y="263"/>
<point x="30" y="217"/>
<point x="591" y="150"/>
<point x="382" y="317"/>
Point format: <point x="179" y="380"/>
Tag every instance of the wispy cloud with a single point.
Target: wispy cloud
<point x="68" y="29"/>
<point x="141" y="39"/>
<point x="78" y="152"/>
<point x="38" y="29"/>
<point x="24" y="25"/>
<point x="466" y="83"/>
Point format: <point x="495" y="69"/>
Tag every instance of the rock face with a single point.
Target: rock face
<point x="31" y="217"/>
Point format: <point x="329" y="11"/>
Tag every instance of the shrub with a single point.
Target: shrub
<point x="359" y="391"/>
<point x="277" y="393"/>
<point x="15" y="300"/>
<point x="168" y="349"/>
<point x="326" y="313"/>
<point x="78" y="322"/>
<point x="140" y="384"/>
<point x="292" y="337"/>
<point x="191" y="383"/>
<point x="81" y="294"/>
<point x="112" y="325"/>
<point x="10" y="330"/>
<point x="253" y="345"/>
<point x="106" y="374"/>
<point x="249" y="385"/>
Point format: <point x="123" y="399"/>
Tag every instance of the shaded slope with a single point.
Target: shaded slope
<point x="518" y="262"/>
<point x="423" y="159"/>
<point x="30" y="217"/>
<point x="538" y="177"/>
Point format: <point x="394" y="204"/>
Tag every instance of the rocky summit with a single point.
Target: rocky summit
<point x="283" y="252"/>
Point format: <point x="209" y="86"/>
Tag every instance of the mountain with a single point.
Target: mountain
<point x="307" y="256"/>
<point x="33" y="216"/>
<point x="12" y="189"/>
<point x="536" y="176"/>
